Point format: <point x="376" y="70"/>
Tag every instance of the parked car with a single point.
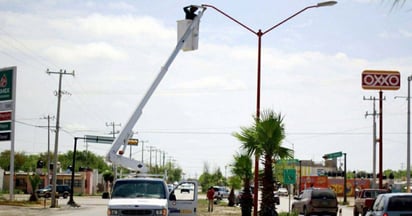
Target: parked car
<point x="283" y="192"/>
<point x="364" y="200"/>
<point x="317" y="201"/>
<point x="221" y="192"/>
<point x="170" y="187"/>
<point x="276" y="195"/>
<point x="392" y="204"/>
<point x="186" y="188"/>
<point x="61" y="190"/>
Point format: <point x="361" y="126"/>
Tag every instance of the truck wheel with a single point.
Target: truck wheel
<point x="355" y="212"/>
<point x="294" y="210"/>
<point x="305" y="211"/>
<point x="364" y="211"/>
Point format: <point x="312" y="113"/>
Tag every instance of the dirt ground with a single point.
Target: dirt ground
<point x="220" y="209"/>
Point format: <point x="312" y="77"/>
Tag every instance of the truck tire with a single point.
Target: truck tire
<point x="355" y="211"/>
<point x="305" y="211"/>
<point x="364" y="210"/>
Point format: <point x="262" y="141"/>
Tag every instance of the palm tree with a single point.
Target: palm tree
<point x="242" y="167"/>
<point x="108" y="177"/>
<point x="398" y="2"/>
<point x="265" y="138"/>
<point x="34" y="181"/>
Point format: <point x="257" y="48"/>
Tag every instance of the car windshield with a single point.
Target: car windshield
<point x="400" y="203"/>
<point x="328" y="194"/>
<point x="373" y="193"/>
<point x="140" y="189"/>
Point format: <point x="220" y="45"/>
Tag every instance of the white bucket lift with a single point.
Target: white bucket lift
<point x="192" y="42"/>
<point x="188" y="36"/>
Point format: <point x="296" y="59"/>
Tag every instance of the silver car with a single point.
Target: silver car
<point x="392" y="204"/>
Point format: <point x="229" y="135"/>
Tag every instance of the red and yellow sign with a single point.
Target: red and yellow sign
<point x="381" y="80"/>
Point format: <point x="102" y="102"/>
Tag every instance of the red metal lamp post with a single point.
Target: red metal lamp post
<point x="259" y="34"/>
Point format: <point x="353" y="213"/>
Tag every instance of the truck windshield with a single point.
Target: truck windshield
<point x="139" y="189"/>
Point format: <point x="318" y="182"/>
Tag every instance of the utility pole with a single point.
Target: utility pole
<point x="151" y="148"/>
<point x="374" y="139"/>
<point x="48" y="146"/>
<point x="56" y="143"/>
<point x="143" y="141"/>
<point x="164" y="157"/>
<point x="113" y="125"/>
<point x="113" y="132"/>
<point x="408" y="137"/>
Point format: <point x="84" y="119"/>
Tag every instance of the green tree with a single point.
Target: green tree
<point x="108" y="177"/>
<point x="242" y="167"/>
<point x="19" y="160"/>
<point x="85" y="159"/>
<point x="265" y="138"/>
<point x="235" y="182"/>
<point x="34" y="181"/>
<point x="206" y="178"/>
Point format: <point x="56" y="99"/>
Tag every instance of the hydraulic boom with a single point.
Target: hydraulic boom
<point x="115" y="156"/>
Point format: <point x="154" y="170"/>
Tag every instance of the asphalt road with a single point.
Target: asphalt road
<point x="94" y="205"/>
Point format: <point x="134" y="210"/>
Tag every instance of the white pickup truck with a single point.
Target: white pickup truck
<point x="150" y="197"/>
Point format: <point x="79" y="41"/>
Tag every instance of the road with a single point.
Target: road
<point x="97" y="206"/>
<point x="88" y="206"/>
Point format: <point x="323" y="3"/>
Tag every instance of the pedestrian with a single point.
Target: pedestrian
<point x="210" y="197"/>
<point x="190" y="12"/>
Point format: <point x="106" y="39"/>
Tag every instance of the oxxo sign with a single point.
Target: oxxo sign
<point x="381" y="80"/>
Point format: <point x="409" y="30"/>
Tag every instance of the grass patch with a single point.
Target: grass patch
<point x="19" y="202"/>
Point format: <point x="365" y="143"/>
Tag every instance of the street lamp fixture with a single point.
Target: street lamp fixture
<point x="259" y="34"/>
<point x="327" y="3"/>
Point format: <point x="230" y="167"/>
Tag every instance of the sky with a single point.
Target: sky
<point x="311" y="75"/>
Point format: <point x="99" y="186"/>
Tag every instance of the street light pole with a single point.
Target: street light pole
<point x="259" y="34"/>
<point x="408" y="144"/>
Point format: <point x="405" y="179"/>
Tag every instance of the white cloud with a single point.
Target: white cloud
<point x="85" y="52"/>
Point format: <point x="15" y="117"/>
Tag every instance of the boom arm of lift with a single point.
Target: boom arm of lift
<point x="126" y="133"/>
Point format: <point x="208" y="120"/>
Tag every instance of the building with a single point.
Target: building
<point x="85" y="182"/>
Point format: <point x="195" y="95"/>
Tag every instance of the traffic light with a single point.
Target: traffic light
<point x="133" y="142"/>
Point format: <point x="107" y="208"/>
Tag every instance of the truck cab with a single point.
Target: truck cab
<point x="151" y="197"/>
<point x="364" y="200"/>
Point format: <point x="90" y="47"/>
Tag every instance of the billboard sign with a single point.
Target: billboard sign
<point x="5" y="136"/>
<point x="5" y="116"/>
<point x="6" y="84"/>
<point x="381" y="80"/>
<point x="5" y="126"/>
